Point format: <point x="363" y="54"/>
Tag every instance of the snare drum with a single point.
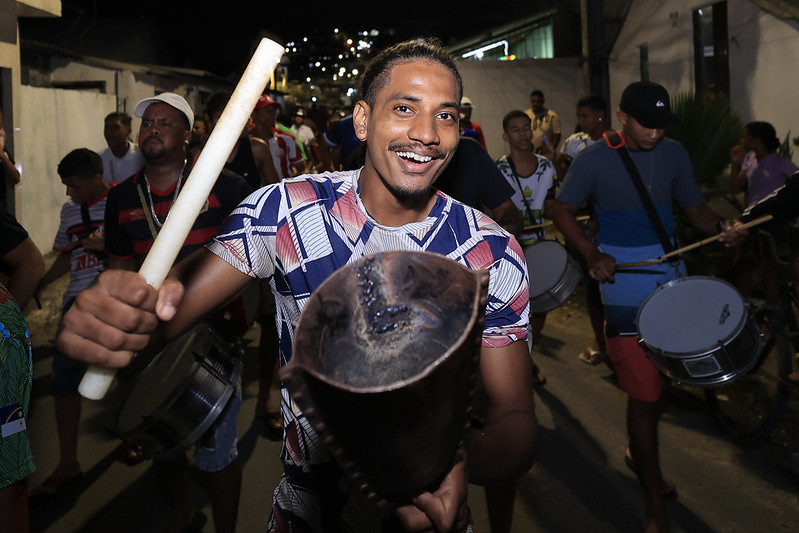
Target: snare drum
<point x="554" y="274"/>
<point x="697" y="330"/>
<point x="177" y="398"/>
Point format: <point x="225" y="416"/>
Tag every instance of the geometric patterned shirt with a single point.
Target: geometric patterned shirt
<point x="296" y="233"/>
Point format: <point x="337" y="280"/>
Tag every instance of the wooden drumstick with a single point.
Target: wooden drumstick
<point x="198" y="186"/>
<point x="664" y="258"/>
<point x="549" y="223"/>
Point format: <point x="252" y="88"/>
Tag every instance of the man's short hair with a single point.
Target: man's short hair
<point x="765" y="132"/>
<point x="81" y="163"/>
<point x="121" y="116"/>
<point x="516" y="113"/>
<point x="376" y="74"/>
<point x="537" y="92"/>
<point x="216" y="103"/>
<point x="594" y="102"/>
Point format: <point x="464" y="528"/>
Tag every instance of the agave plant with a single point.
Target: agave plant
<point x="709" y="130"/>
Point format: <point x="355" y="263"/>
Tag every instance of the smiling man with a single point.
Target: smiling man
<point x="296" y="233"/>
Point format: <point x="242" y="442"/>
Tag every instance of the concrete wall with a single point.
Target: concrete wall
<point x="52" y="123"/>
<point x="764" y="57"/>
<point x="496" y="87"/>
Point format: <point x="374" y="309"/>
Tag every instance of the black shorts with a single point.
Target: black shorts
<point x="11" y="233"/>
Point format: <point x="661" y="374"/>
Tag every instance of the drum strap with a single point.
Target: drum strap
<point x="519" y="184"/>
<point x="615" y="141"/>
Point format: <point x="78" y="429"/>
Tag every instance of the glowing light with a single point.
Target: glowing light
<point x="479" y="52"/>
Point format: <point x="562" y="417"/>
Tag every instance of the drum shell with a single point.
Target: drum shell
<point x="715" y="367"/>
<point x="724" y="355"/>
<point x="179" y="396"/>
<point x="562" y="275"/>
<point x="398" y="438"/>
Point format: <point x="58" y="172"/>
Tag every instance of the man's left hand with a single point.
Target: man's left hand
<point x="732" y="232"/>
<point x="446" y="509"/>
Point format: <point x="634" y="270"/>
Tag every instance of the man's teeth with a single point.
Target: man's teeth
<point x="415" y="157"/>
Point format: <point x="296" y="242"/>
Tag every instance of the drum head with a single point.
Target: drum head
<point x="691" y="315"/>
<point x="164" y="377"/>
<point x="546" y="263"/>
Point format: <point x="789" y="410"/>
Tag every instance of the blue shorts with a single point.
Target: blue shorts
<point x="225" y="450"/>
<point x="67" y="372"/>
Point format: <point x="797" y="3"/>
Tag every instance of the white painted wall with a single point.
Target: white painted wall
<point x="50" y="123"/>
<point x="496" y="87"/>
<point x="764" y="57"/>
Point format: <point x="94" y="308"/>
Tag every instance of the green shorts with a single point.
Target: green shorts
<point x="16" y="373"/>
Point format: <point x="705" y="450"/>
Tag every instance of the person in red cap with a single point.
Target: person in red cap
<point x="285" y="150"/>
<point x="626" y="235"/>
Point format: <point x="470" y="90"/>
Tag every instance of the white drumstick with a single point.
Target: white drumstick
<point x="198" y="186"/>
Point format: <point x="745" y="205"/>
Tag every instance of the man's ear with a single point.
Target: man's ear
<point x="622" y="116"/>
<point x="360" y="115"/>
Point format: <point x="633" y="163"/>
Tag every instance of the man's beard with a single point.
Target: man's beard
<point x="406" y="195"/>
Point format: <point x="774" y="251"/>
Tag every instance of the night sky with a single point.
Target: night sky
<point x="214" y="39"/>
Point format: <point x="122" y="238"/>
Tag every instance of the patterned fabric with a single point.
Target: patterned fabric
<point x="575" y="143"/>
<point x="84" y="265"/>
<point x="127" y="233"/>
<point x="285" y="152"/>
<point x="16" y="373"/>
<point x="546" y="124"/>
<point x="294" y="235"/>
<point x="531" y="192"/>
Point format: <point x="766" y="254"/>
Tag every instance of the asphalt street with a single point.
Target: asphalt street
<point x="579" y="483"/>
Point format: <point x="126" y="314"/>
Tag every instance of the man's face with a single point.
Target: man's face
<point x="84" y="189"/>
<point x="588" y="120"/>
<point x="747" y="141"/>
<point x="198" y="130"/>
<point x="537" y="103"/>
<point x="115" y="132"/>
<point x="163" y="131"/>
<point x="519" y="133"/>
<point x="412" y="129"/>
<point x="637" y="136"/>
<point x="266" y="117"/>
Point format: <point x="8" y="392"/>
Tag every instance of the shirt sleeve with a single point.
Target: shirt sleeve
<point x="579" y="183"/>
<point x="61" y="240"/>
<point x="507" y="308"/>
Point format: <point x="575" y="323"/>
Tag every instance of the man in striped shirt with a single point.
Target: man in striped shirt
<point x="135" y="211"/>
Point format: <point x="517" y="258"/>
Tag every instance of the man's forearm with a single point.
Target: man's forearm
<point x="503" y="449"/>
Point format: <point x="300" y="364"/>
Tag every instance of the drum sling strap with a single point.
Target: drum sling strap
<point x="521" y="189"/>
<point x="616" y="142"/>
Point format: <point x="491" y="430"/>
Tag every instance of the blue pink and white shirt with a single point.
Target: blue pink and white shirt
<point x="296" y="233"/>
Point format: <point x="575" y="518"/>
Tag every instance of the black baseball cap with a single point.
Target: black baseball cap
<point x="648" y="103"/>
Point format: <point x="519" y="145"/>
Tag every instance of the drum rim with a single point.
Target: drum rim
<point x="726" y="378"/>
<point x="230" y="383"/>
<point x="737" y="330"/>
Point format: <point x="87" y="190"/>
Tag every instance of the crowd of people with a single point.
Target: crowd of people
<point x="297" y="201"/>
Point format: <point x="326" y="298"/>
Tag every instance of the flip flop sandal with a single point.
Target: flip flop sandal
<point x="130" y="453"/>
<point x="592" y="357"/>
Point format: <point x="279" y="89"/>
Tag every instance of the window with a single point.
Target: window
<point x="711" y="49"/>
